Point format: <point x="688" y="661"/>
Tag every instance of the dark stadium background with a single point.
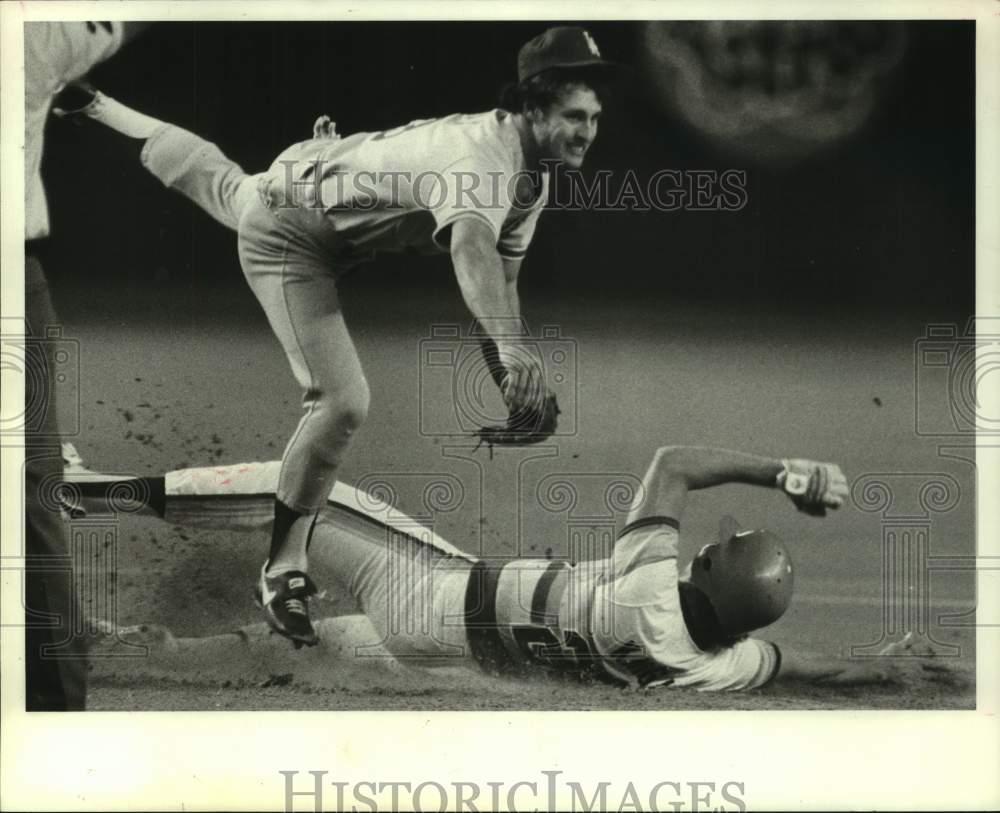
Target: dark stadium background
<point x="886" y="217"/>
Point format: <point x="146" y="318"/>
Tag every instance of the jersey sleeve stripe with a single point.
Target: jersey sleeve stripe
<point x="646" y="521"/>
<point x="509" y="254"/>
<point x="539" y="599"/>
<point x="485" y="643"/>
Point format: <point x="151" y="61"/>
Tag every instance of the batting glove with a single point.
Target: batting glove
<point x="812" y="486"/>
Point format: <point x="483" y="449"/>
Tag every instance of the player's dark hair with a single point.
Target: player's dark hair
<point x="547" y="87"/>
<point x="702" y="622"/>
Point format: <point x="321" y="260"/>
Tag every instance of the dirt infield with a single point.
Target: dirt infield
<point x="169" y="695"/>
<point x="157" y="394"/>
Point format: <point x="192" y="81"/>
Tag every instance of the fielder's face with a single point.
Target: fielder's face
<point x="564" y="132"/>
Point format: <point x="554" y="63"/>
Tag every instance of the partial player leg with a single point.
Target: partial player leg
<point x="198" y="170"/>
<point x="181" y="160"/>
<point x="412" y="592"/>
<point x="298" y="292"/>
<point x="55" y="659"/>
<point x="250" y="654"/>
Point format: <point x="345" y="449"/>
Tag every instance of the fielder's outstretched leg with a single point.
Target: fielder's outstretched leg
<point x="181" y="160"/>
<point x="297" y="289"/>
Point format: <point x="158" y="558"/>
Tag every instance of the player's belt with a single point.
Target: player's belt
<point x="504" y="635"/>
<point x="309" y="224"/>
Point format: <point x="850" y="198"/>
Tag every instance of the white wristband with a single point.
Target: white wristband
<point x="792" y="482"/>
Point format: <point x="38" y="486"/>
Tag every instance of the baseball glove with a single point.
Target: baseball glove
<point x="524" y="426"/>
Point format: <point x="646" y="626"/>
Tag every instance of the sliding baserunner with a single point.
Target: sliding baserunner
<point x="631" y="619"/>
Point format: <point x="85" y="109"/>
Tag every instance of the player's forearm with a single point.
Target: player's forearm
<point x="479" y="271"/>
<point x="703" y="467"/>
<point x="512" y="271"/>
<point x="819" y="670"/>
<point x="513" y="299"/>
<point x="676" y="470"/>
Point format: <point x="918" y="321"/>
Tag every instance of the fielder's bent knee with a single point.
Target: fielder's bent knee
<point x="356" y="409"/>
<point x="348" y="416"/>
<point x="346" y="406"/>
<point x="331" y="425"/>
<point x="311" y="459"/>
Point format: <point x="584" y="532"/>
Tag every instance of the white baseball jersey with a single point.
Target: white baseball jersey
<point x="54" y="53"/>
<point x="402" y="189"/>
<point x="617" y="619"/>
<point x="639" y="630"/>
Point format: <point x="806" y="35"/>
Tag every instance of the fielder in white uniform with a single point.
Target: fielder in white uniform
<point x="631" y="619"/>
<point x="469" y="185"/>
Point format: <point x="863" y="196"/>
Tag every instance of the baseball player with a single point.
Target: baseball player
<point x="631" y="619"/>
<point x="469" y="185"/>
<point x="54" y="53"/>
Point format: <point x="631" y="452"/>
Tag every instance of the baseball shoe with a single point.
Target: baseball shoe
<point x="285" y="601"/>
<point x="72" y="462"/>
<point x="68" y="497"/>
<point x="75" y="101"/>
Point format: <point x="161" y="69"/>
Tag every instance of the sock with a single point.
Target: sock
<point x="155" y="487"/>
<point x="292" y="554"/>
<point x="293" y="551"/>
<point x="122" y="118"/>
<point x="284" y="519"/>
<point x="157" y="493"/>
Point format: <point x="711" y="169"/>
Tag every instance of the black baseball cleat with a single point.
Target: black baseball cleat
<point x="75" y="101"/>
<point x="285" y="601"/>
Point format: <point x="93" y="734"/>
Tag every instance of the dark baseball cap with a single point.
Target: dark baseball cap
<point x="565" y="46"/>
